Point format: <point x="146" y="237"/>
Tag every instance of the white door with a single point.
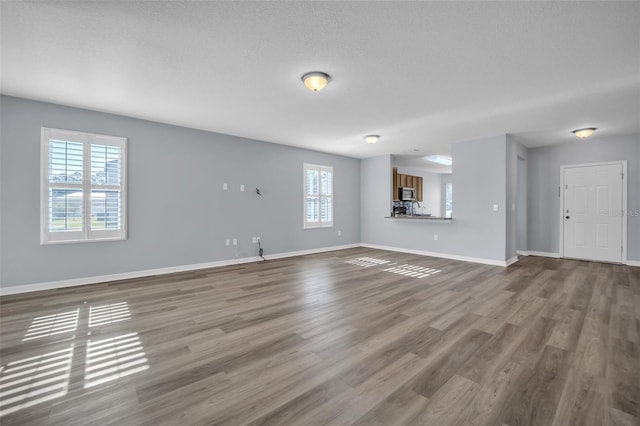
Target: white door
<point x="593" y="212"/>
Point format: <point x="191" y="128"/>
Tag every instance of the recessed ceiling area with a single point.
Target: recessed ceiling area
<point x="421" y="162"/>
<point x="423" y="75"/>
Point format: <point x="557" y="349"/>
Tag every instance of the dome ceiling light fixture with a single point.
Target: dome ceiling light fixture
<point x="371" y="139"/>
<point x="584" y="133"/>
<point x="316" y="80"/>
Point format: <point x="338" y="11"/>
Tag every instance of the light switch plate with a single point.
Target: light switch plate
<point x="225" y="187"/>
<point x="495" y="207"/>
<point x="241" y="188"/>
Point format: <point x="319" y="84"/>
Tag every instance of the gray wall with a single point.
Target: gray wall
<point x="376" y="179"/>
<point x="544" y="180"/>
<point x="178" y="213"/>
<point x="479" y="181"/>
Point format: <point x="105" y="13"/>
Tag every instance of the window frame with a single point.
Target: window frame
<point x="320" y="224"/>
<point x="86" y="234"/>
<point x="448" y="187"/>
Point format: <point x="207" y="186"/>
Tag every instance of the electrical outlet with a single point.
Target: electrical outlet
<point x="225" y="187"/>
<point x="228" y="243"/>
<point x="435" y="237"/>
<point x="235" y="241"/>
<point x="258" y="239"/>
<point x="255" y="240"/>
<point x="339" y="233"/>
<point x="241" y="188"/>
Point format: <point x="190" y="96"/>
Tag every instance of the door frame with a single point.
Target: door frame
<point x="624" y="202"/>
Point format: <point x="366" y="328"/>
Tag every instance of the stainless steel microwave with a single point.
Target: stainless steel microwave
<point x="406" y="194"/>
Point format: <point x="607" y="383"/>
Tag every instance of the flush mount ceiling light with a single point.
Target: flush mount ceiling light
<point x="371" y="139"/>
<point x="440" y="159"/>
<point x="584" y="133"/>
<point x="316" y="80"/>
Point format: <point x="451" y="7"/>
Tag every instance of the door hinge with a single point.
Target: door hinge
<point x="622" y="175"/>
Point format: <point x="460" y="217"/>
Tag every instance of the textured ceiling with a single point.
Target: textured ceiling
<point x="421" y="74"/>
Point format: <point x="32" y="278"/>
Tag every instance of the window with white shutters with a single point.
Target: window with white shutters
<point x="83" y="190"/>
<point x="318" y="196"/>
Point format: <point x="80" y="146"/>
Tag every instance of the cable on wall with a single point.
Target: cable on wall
<point x="260" y="250"/>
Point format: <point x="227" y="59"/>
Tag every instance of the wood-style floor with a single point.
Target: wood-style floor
<point x="356" y="336"/>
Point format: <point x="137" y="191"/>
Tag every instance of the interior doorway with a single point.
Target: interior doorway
<point x="521" y="206"/>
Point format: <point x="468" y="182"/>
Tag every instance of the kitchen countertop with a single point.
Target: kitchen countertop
<point x="419" y="217"/>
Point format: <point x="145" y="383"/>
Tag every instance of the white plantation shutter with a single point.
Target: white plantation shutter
<point x="64" y="206"/>
<point x="318" y="196"/>
<point x="106" y="185"/>
<point x="83" y="187"/>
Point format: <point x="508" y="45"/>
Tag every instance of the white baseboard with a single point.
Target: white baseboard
<point x="557" y="256"/>
<point x="311" y="251"/>
<point x="492" y="262"/>
<point x="522" y="252"/>
<point x="51" y="285"/>
<point x="543" y="254"/>
<point x="511" y="261"/>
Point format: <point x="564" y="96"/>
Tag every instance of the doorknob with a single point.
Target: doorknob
<point x="566" y="217"/>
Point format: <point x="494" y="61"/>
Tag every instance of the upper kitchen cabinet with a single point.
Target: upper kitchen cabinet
<point x="401" y="180"/>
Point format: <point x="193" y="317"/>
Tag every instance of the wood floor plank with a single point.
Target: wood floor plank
<point x="398" y="408"/>
<point x="307" y="401"/>
<point x="330" y="338"/>
<point x="348" y="408"/>
<point x="566" y="332"/>
<point x="488" y="406"/>
<point x="493" y="355"/>
<point x="623" y="323"/>
<point x="538" y="394"/>
<point x="582" y="401"/>
<point x="428" y="382"/>
<point x="448" y="404"/>
<point x="533" y="342"/>
<point x="157" y="409"/>
<point x="623" y="374"/>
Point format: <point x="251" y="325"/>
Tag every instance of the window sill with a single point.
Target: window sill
<point x="95" y="240"/>
<point x="317" y="226"/>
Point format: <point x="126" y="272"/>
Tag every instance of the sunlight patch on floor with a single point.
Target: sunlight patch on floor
<point x="367" y="262"/>
<point x="30" y="381"/>
<point x="108" y="314"/>
<point x="49" y="325"/>
<point x="412" y="271"/>
<point x="110" y="359"/>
